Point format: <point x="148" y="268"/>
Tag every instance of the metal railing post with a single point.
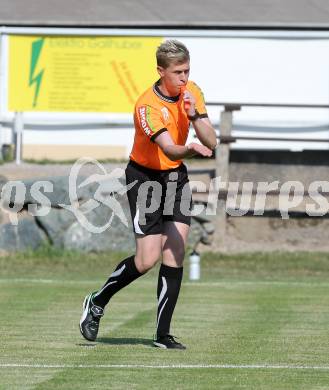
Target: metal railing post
<point x="1" y="142"/>
<point x="222" y="171"/>
<point x="18" y="136"/>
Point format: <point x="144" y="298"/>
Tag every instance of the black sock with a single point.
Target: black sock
<point x="125" y="273"/>
<point x="169" y="283"/>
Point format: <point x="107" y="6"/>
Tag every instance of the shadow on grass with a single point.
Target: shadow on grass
<point x="89" y="345"/>
<point x="124" y="341"/>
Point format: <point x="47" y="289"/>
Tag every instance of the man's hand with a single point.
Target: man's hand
<point x="189" y="102"/>
<point x="202" y="150"/>
<point x="176" y="152"/>
<point x="203" y="128"/>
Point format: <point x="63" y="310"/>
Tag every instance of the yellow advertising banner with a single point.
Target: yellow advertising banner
<point x="79" y="74"/>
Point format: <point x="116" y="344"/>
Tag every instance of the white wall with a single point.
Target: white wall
<point x="241" y="68"/>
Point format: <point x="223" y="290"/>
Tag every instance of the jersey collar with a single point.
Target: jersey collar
<point x="169" y="99"/>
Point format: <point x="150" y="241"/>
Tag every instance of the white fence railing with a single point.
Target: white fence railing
<point x="18" y="122"/>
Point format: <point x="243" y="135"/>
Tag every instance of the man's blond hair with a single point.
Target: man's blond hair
<point x="172" y="51"/>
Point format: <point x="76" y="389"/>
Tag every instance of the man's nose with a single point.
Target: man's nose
<point x="183" y="78"/>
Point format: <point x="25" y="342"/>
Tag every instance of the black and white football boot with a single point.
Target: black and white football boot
<point x="167" y="342"/>
<point x="91" y="315"/>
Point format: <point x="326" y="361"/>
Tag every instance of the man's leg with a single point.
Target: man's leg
<point x="170" y="277"/>
<point x="125" y="273"/>
<point x="148" y="249"/>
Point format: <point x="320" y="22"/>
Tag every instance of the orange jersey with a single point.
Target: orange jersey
<point x="155" y="113"/>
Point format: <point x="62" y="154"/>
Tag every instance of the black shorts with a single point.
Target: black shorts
<point x="157" y="196"/>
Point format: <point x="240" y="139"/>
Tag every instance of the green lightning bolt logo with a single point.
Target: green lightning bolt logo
<point x="36" y="78"/>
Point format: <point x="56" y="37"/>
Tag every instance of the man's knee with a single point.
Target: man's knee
<point x="178" y="253"/>
<point x="145" y="264"/>
<point x="174" y="257"/>
<point x="146" y="260"/>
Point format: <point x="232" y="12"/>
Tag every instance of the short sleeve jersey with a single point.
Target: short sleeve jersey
<point x="155" y="113"/>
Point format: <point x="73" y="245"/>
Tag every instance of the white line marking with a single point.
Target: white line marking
<point x="172" y="366"/>
<point x="228" y="283"/>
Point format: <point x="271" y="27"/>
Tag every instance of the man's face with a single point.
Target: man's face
<point x="174" y="76"/>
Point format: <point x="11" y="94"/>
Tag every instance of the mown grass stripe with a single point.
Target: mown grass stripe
<point x="169" y="366"/>
<point x="196" y="284"/>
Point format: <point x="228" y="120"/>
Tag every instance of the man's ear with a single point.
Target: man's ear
<point x="160" y="70"/>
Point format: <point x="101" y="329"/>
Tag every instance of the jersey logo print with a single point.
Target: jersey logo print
<point x="165" y="113"/>
<point x="143" y="120"/>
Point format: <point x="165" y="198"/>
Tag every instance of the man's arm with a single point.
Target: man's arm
<point x="205" y="132"/>
<point x="202" y="126"/>
<point x="176" y="152"/>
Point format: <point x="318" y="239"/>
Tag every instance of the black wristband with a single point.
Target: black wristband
<point x="194" y="117"/>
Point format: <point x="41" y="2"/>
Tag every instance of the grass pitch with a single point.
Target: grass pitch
<point x="253" y="322"/>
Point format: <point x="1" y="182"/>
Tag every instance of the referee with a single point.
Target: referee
<point x="162" y="117"/>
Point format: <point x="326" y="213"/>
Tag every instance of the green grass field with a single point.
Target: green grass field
<point x="253" y="322"/>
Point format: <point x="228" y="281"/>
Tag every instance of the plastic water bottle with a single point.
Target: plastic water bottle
<point x="194" y="266"/>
